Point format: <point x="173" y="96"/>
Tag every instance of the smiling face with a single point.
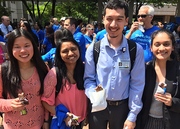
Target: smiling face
<point x="162" y="46"/>
<point x="114" y="22"/>
<point x="69" y="52"/>
<point x="23" y="50"/>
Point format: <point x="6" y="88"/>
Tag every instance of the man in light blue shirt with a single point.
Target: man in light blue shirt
<point x="5" y="27"/>
<point x="124" y="87"/>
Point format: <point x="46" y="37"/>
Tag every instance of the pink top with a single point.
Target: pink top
<point x="35" y="111"/>
<point x="73" y="99"/>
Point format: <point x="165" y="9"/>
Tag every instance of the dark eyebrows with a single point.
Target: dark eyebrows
<point x="118" y="16"/>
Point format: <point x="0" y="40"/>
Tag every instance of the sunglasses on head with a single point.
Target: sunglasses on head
<point x="142" y="16"/>
<point x="91" y="28"/>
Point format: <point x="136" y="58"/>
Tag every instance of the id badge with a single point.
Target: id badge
<point x="124" y="64"/>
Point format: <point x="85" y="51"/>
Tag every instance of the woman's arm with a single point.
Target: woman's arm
<point x="49" y="107"/>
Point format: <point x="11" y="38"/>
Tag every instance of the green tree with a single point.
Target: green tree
<point x="4" y="11"/>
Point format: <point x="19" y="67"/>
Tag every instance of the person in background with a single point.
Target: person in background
<point x="26" y="26"/>
<point x="62" y="22"/>
<point x="90" y="35"/>
<point x="143" y="37"/>
<point x="23" y="73"/>
<point x="83" y="30"/>
<point x="55" y="24"/>
<point x="100" y="35"/>
<point x="60" y="33"/>
<point x="71" y="97"/>
<point x="39" y="31"/>
<point x="2" y="37"/>
<point x="161" y="110"/>
<point x="98" y="28"/>
<point x="80" y="23"/>
<point x="176" y="32"/>
<point x="45" y="26"/>
<point x="48" y="42"/>
<point x="5" y="27"/>
<point x="169" y="26"/>
<point x="3" y="53"/>
<point x="71" y="24"/>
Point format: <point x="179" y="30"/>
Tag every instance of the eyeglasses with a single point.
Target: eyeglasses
<point x="142" y="16"/>
<point x="91" y="28"/>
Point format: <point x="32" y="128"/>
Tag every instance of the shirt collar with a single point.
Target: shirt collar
<point x="123" y="44"/>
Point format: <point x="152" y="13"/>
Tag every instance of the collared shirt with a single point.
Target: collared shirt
<point x="116" y="81"/>
<point x="79" y="37"/>
<point x="4" y="30"/>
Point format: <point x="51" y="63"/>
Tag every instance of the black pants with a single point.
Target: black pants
<point x="115" y="115"/>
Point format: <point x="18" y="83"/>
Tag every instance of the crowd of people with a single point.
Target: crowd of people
<point x="49" y="76"/>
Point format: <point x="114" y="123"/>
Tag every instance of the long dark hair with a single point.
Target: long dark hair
<point x="50" y="35"/>
<point x="28" y="26"/>
<point x="11" y="71"/>
<point x="171" y="36"/>
<point x="79" y="69"/>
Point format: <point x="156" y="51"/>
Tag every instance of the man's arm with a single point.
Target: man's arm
<point x="134" y="27"/>
<point x="90" y="72"/>
<point x="136" y="88"/>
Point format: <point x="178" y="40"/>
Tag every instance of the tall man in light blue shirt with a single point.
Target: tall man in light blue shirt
<point x="124" y="87"/>
<point x="5" y="27"/>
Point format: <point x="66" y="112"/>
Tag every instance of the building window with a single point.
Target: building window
<point x="13" y="2"/>
<point x="14" y="20"/>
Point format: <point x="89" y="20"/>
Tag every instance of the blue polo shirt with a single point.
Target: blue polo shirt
<point x="100" y="35"/>
<point x="55" y="27"/>
<point x="79" y="37"/>
<point x="50" y="55"/>
<point x="88" y="39"/>
<point x="48" y="44"/>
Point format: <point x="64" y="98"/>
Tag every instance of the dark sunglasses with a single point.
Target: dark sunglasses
<point x="142" y="16"/>
<point x="91" y="28"/>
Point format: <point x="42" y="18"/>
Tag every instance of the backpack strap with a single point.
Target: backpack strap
<point x="132" y="52"/>
<point x="59" y="81"/>
<point x="96" y="51"/>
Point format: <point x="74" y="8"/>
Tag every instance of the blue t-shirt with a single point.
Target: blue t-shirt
<point x="88" y="39"/>
<point x="96" y="30"/>
<point x="55" y="27"/>
<point x="35" y="33"/>
<point x="169" y="26"/>
<point x="100" y="35"/>
<point x="144" y="39"/>
<point x="41" y="36"/>
<point x="50" y="55"/>
<point x="2" y="39"/>
<point x="48" y="44"/>
<point x="78" y="29"/>
<point x="79" y="37"/>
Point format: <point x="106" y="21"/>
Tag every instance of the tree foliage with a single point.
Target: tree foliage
<point x="4" y="11"/>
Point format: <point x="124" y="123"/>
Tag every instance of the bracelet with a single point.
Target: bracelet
<point x="46" y="121"/>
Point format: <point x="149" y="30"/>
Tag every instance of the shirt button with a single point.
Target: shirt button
<point x="113" y="88"/>
<point x="112" y="98"/>
<point x="114" y="66"/>
<point x="113" y="77"/>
